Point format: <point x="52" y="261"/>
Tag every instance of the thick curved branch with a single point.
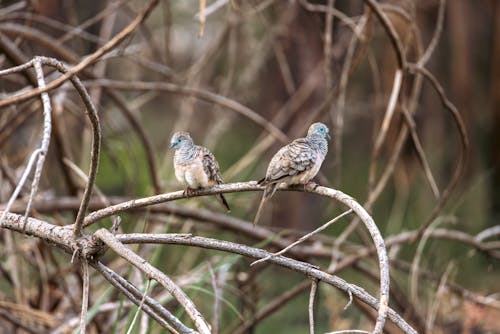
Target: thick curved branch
<point x="110" y="240"/>
<point x="255" y="253"/>
<point x="252" y="186"/>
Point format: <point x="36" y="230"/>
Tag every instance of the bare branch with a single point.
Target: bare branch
<point x="312" y="296"/>
<point x="152" y="272"/>
<point x="87" y="61"/>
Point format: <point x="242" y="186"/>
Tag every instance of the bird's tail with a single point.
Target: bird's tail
<point x="268" y="192"/>
<point x="224" y="202"/>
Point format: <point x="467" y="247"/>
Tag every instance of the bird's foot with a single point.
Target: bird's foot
<point x="188" y="192"/>
<point x="310" y="185"/>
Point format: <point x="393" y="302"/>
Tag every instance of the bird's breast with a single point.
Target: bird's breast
<point x="192" y="175"/>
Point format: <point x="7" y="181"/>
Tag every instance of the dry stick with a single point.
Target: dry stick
<point x="415" y="266"/>
<point x="464" y="140"/>
<point x="379" y="245"/>
<point x="96" y="139"/>
<point x="77" y="30"/>
<point x="51" y="23"/>
<point x="21" y="183"/>
<point x="312" y="296"/>
<point x="212" y="8"/>
<point x="453" y="287"/>
<point x="152" y="272"/>
<point x="40" y="153"/>
<point x="154" y="309"/>
<point x="398" y="297"/>
<point x="92" y="114"/>
<point x="87" y="61"/>
<point x="51" y="43"/>
<point x="216" y="307"/>
<point x="329" y="9"/>
<point x="85" y="296"/>
<point x="488" y="233"/>
<point x="435" y="37"/>
<point x="391" y="106"/>
<point x="398" y="76"/>
<point x="196" y="92"/>
<point x="201" y="18"/>
<point x="408" y="237"/>
<point x="327" y="47"/>
<point x="16" y="56"/>
<point x="431" y="316"/>
<point x="20" y="323"/>
<point x="305" y="237"/>
<point x="391" y="32"/>
<point x="105" y="32"/>
<point x="75" y="169"/>
<point x="298" y="266"/>
<point x="349" y="331"/>
<point x="376" y="190"/>
<point x="448" y="105"/>
<point x="139" y="309"/>
<point x="420" y="151"/>
<point x="47" y="129"/>
<point x="7" y="172"/>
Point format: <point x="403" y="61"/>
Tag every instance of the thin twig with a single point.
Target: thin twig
<point x="420" y="151"/>
<point x="154" y="309"/>
<point x="87" y="61"/>
<point x="464" y="148"/>
<point x="435" y="37"/>
<point x="305" y="237"/>
<point x="96" y="139"/>
<point x="312" y="296"/>
<point x="431" y="316"/>
<point x="139" y="309"/>
<point x="47" y="130"/>
<point x="85" y="296"/>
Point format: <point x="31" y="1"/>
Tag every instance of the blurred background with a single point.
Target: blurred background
<point x="251" y="78"/>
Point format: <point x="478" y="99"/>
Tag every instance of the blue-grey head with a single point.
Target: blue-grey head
<point x="181" y="139"/>
<point x="319" y="129"/>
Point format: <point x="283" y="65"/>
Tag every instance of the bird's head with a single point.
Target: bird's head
<point x="181" y="139"/>
<point x="319" y="129"/>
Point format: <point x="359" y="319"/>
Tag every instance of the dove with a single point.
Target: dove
<point x="195" y="166"/>
<point x="295" y="163"/>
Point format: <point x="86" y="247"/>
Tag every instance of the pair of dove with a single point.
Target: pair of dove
<point x="296" y="163"/>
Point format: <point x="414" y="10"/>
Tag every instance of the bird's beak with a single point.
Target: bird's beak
<point x="171" y="145"/>
<point x="328" y="135"/>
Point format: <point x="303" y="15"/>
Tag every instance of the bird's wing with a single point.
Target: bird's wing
<point x="210" y="165"/>
<point x="292" y="159"/>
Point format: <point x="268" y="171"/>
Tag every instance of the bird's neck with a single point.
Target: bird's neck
<point x="185" y="153"/>
<point x="319" y="143"/>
